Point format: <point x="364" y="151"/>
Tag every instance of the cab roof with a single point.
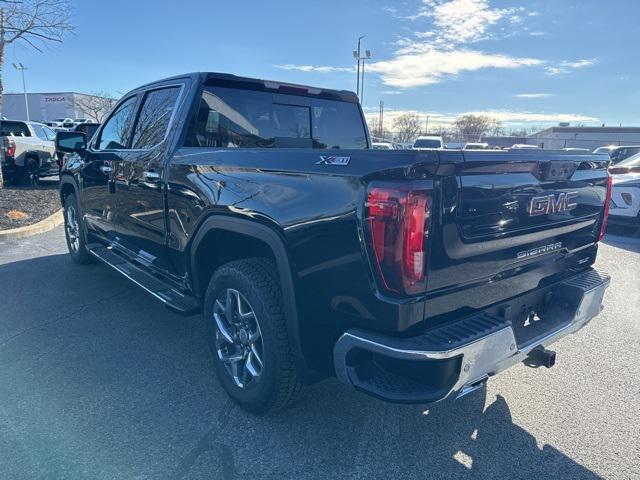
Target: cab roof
<point x="248" y="83"/>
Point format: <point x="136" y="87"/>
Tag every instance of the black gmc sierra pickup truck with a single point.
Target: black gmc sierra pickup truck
<point x="411" y="275"/>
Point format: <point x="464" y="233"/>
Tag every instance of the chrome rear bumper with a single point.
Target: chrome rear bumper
<point x="456" y="358"/>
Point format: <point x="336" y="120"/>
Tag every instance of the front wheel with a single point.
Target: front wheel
<point x="247" y="336"/>
<point x="74" y="231"/>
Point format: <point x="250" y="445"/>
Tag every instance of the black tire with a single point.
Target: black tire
<point x="75" y="234"/>
<point x="277" y="385"/>
<point x="30" y="174"/>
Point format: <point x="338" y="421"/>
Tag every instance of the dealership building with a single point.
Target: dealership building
<point x="584" y="137"/>
<point x="47" y="106"/>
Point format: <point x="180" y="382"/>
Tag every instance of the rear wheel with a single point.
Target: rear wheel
<point x="74" y="231"/>
<point x="30" y="174"/>
<point x="247" y="336"/>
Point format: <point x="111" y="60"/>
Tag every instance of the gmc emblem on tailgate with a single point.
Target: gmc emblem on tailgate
<point x="562" y="202"/>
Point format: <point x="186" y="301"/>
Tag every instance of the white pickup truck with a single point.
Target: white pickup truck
<point x="27" y="151"/>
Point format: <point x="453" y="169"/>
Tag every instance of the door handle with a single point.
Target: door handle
<point x="106" y="169"/>
<point x="152" y="176"/>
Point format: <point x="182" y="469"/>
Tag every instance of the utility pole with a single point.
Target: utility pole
<point x="380" y="119"/>
<point x="367" y="56"/>
<point x="356" y="55"/>
<point x="359" y="80"/>
<point x="426" y="128"/>
<point x="22" y="68"/>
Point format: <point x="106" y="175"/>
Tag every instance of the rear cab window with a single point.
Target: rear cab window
<point x="14" y="129"/>
<point x="237" y="118"/>
<point x="154" y="117"/>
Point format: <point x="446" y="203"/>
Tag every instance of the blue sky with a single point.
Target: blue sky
<point x="524" y="62"/>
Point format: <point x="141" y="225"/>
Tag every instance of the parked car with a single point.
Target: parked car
<point x="406" y="274"/>
<point x="525" y="146"/>
<point x="429" y="142"/>
<point x="61" y="123"/>
<point x="625" y="196"/>
<point x="88" y="128"/>
<point x="606" y="149"/>
<point x="576" y="149"/>
<point x="28" y="150"/>
<point x="476" y="146"/>
<point x="382" y="146"/>
<point x="619" y="154"/>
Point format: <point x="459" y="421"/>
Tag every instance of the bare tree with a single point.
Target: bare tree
<point x="95" y="105"/>
<point x="376" y="131"/>
<point x="471" y="128"/>
<point x="34" y="22"/>
<point x="407" y="127"/>
<point x="496" y="128"/>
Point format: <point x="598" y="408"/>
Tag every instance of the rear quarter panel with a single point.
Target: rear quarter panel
<point x="314" y="207"/>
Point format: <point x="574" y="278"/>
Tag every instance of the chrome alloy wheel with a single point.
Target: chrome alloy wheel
<point x="238" y="337"/>
<point x="72" y="228"/>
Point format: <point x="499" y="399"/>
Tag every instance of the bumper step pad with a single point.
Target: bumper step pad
<point x="457" y="357"/>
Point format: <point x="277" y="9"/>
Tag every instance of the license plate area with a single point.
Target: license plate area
<point x="534" y="322"/>
<point x="536" y="314"/>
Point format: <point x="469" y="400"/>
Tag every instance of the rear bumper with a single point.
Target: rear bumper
<point x="455" y="358"/>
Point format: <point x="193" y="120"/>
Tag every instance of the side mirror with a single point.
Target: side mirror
<point x="71" y="142"/>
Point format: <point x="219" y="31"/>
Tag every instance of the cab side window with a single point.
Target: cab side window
<point x="155" y="115"/>
<point x="39" y="131"/>
<point x="116" y="132"/>
<point x="51" y="135"/>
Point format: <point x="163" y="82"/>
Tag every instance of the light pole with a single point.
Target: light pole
<point x="22" y="68"/>
<point x="381" y="120"/>
<point x="367" y="56"/>
<point x="359" y="81"/>
<point x="356" y="55"/>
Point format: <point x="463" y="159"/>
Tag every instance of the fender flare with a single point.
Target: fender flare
<point x="31" y="154"/>
<point x="269" y="236"/>
<point x="68" y="179"/>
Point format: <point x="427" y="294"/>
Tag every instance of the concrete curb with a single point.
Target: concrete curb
<point x="49" y="223"/>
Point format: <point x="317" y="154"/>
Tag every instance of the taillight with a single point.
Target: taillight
<point x="397" y="218"/>
<point x="607" y="204"/>
<point x="9" y="147"/>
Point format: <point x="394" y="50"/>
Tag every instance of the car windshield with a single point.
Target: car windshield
<point x="427" y="143"/>
<point x="603" y="150"/>
<point x="633" y="161"/>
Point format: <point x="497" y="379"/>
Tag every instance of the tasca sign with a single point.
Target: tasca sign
<point x="53" y="99"/>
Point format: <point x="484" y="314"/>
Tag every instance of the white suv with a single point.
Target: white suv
<point x="428" y="143"/>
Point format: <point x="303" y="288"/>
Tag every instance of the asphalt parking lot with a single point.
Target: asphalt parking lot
<point x="98" y="380"/>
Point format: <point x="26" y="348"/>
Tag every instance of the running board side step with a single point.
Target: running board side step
<point x="172" y="298"/>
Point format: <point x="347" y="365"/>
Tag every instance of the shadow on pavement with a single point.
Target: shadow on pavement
<point x="623" y="237"/>
<point x="101" y="381"/>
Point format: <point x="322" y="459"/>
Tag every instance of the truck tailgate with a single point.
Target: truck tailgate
<point x="513" y="219"/>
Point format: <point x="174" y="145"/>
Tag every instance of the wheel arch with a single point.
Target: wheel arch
<point x="34" y="155"/>
<point x="67" y="187"/>
<point x="274" y="241"/>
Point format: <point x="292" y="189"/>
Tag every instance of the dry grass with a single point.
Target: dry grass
<point x="16" y="215"/>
